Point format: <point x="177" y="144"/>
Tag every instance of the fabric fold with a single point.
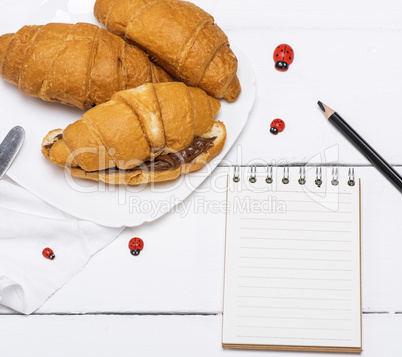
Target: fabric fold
<point x="27" y="226"/>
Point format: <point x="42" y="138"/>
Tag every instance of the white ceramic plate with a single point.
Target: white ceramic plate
<point x="108" y="205"/>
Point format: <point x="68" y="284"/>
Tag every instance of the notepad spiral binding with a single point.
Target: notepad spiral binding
<point x="302" y="176"/>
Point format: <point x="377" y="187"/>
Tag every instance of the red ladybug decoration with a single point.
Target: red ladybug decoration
<point x="277" y="126"/>
<point x="283" y="57"/>
<point x="136" y="245"/>
<point x="48" y="253"/>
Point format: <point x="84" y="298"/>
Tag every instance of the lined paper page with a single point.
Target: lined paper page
<point x="292" y="262"/>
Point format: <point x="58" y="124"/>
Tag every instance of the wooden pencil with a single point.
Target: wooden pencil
<point x="386" y="169"/>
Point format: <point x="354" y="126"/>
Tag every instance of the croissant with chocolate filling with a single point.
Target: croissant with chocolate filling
<point x="151" y="133"/>
<point x="81" y="65"/>
<point x="180" y="37"/>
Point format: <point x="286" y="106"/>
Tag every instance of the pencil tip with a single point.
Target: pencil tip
<point x="321" y="106"/>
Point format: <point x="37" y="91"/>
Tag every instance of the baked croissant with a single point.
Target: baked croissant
<point x="180" y="37"/>
<point x="81" y="65"/>
<point x="151" y="133"/>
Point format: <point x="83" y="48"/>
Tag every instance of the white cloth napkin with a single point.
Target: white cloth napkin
<point x="27" y="226"/>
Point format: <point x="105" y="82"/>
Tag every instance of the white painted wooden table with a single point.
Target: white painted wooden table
<point x="168" y="300"/>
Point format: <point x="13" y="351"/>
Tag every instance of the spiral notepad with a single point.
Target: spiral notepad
<point x="292" y="260"/>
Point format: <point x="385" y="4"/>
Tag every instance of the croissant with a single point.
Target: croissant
<point x="180" y="37"/>
<point x="81" y="65"/>
<point x="151" y="133"/>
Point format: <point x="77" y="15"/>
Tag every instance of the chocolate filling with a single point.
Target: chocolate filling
<point x="168" y="161"/>
<point x="56" y="139"/>
<point x="173" y="160"/>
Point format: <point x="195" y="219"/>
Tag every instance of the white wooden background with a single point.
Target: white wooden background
<point x="168" y="300"/>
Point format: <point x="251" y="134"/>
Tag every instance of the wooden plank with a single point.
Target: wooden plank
<point x="253" y="13"/>
<point x="342" y="68"/>
<point x="181" y="266"/>
<point x="156" y="336"/>
<point x="316" y="14"/>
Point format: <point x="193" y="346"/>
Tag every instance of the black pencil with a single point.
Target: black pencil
<point x="386" y="169"/>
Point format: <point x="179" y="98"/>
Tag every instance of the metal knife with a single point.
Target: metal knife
<point x="10" y="147"/>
